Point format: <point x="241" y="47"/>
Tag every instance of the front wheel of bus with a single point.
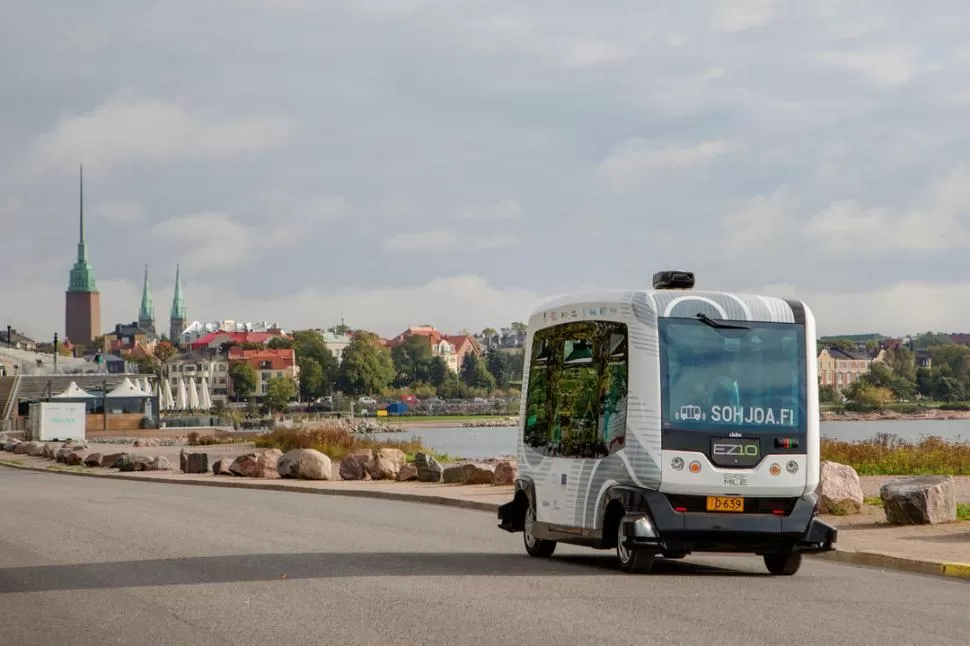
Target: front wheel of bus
<point x="638" y="561"/>
<point x="537" y="547"/>
<point x="783" y="564"/>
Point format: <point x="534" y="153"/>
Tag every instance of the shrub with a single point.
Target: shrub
<point x="887" y="454"/>
<point x="334" y="441"/>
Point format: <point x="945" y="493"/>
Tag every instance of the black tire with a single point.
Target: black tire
<point x="674" y="555"/>
<point x="783" y="564"/>
<point x="633" y="561"/>
<point x="535" y="547"/>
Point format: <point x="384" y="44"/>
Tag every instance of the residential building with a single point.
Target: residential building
<point x="839" y="368"/>
<point x="11" y="338"/>
<point x="453" y="348"/>
<point x="214" y="341"/>
<point x="82" y="310"/>
<point x="336" y="343"/>
<point x="214" y="368"/>
<point x="128" y="335"/>
<point x="268" y="364"/>
<point x="195" y="330"/>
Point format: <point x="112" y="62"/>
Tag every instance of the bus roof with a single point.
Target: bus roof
<point x="678" y="302"/>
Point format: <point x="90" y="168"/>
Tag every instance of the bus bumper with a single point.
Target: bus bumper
<point x="664" y="529"/>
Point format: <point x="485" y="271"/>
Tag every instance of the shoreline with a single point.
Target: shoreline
<point x="891" y="415"/>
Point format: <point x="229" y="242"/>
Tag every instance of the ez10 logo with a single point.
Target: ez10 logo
<point x="738" y="449"/>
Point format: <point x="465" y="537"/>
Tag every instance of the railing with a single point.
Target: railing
<point x="11" y="399"/>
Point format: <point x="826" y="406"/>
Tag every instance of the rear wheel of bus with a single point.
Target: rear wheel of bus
<point x="783" y="564"/>
<point x="536" y="547"/>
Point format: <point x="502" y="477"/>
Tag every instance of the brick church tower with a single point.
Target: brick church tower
<point x="83" y="302"/>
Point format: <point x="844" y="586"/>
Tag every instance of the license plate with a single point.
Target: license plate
<point x="725" y="503"/>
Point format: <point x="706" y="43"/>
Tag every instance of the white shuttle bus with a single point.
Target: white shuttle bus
<point x="668" y="421"/>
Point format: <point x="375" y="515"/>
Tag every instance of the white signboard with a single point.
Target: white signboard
<point x="58" y="421"/>
<point x="754" y="415"/>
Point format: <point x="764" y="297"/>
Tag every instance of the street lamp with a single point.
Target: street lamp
<point x="104" y="405"/>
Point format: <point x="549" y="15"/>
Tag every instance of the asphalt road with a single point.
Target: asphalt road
<point x="91" y="561"/>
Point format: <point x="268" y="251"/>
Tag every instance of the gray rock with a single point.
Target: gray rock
<point x="469" y="474"/>
<point x="305" y="464"/>
<point x="195" y="462"/>
<point x="919" y="501"/>
<point x="354" y="465"/>
<point x="112" y="460"/>
<point x="429" y="470"/>
<point x="839" y="489"/>
<point x="93" y="460"/>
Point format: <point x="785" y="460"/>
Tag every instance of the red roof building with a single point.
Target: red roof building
<point x="268" y="364"/>
<point x="453" y="348"/>
<point x="214" y="340"/>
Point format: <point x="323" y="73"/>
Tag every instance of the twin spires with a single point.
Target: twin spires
<point x="146" y="313"/>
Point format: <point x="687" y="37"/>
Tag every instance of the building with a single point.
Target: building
<point x="215" y="369"/>
<point x="453" y="348"/>
<point x="128" y="336"/>
<point x="336" y="342"/>
<point x="268" y="364"/>
<point x="14" y="339"/>
<point x="839" y="368"/>
<point x="196" y="330"/>
<point x="215" y="341"/>
<point x="82" y="312"/>
<point x="177" y="318"/>
<point x="146" y="313"/>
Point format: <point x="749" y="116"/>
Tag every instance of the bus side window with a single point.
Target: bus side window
<point x="575" y="391"/>
<point x="613" y="390"/>
<point x="536" y="432"/>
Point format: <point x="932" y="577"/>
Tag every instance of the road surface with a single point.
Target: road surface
<point x="91" y="561"/>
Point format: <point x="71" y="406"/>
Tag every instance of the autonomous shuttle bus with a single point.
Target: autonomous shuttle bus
<point x="668" y="421"/>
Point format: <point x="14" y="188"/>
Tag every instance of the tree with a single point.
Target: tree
<point x="315" y="360"/>
<point x="279" y="392"/>
<point x="243" y="378"/>
<point x="499" y="364"/>
<point x="366" y="367"/>
<point x="475" y="374"/>
<point x="412" y="359"/>
<point x="279" y="343"/>
<point x="164" y="351"/>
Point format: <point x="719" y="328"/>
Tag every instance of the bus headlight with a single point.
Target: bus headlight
<point x="695" y="467"/>
<point x="677" y="464"/>
<point x="791" y="467"/>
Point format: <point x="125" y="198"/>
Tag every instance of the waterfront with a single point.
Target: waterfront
<point x="480" y="443"/>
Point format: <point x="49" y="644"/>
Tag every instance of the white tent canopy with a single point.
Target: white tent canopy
<point x="204" y="399"/>
<point x="193" y="393"/>
<point x="74" y="392"/>
<point x="181" y="399"/>
<point x="127" y="389"/>
<point x="167" y="400"/>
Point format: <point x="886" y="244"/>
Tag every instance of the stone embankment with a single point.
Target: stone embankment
<point x="305" y="464"/>
<point x="891" y="415"/>
<point x="491" y="423"/>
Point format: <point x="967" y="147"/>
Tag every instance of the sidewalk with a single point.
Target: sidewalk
<point x="864" y="539"/>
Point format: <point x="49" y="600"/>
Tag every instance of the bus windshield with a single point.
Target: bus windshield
<point x="732" y="375"/>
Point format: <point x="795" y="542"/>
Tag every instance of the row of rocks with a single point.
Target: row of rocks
<point x="905" y="501"/>
<point x="72" y="453"/>
<point x="491" y="423"/>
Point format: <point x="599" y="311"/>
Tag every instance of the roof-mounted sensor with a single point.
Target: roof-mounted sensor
<point x="673" y="280"/>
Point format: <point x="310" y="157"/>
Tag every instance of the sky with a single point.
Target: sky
<point x="457" y="162"/>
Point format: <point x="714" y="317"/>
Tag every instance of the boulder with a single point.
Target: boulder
<point x="21" y="448"/>
<point x="11" y="445"/>
<point x="126" y="462"/>
<point x="428" y="468"/>
<point x="839" y="489"/>
<point x="50" y="450"/>
<point x="505" y="473"/>
<point x="469" y="473"/>
<point x="77" y="445"/>
<point x="74" y="458"/>
<point x="354" y="465"/>
<point x="221" y="467"/>
<point x="194" y="462"/>
<point x="62" y="453"/>
<point x="407" y="472"/>
<point x="305" y="464"/>
<point x="34" y="449"/>
<point x="386" y="464"/>
<point x="110" y="461"/>
<point x="255" y="464"/>
<point x="919" y="501"/>
<point x="93" y="460"/>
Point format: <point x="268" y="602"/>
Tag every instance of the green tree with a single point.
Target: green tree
<point x="412" y="359"/>
<point x="312" y="382"/>
<point x="367" y="367"/>
<point x="828" y="395"/>
<point x="316" y="361"/>
<point x="501" y="366"/>
<point x="279" y="343"/>
<point x="475" y="374"/>
<point x="279" y="392"/>
<point x="243" y="377"/>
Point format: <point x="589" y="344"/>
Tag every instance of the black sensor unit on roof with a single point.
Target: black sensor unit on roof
<point x="673" y="280"/>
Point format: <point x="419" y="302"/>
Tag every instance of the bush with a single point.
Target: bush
<point x="955" y="406"/>
<point x="886" y="454"/>
<point x="334" y="441"/>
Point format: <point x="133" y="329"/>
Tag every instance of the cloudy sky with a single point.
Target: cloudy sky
<point x="455" y="162"/>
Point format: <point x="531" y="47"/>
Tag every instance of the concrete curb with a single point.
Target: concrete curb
<point x="871" y="559"/>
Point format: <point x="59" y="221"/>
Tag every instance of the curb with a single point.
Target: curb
<point x="887" y="561"/>
<point x="871" y="559"/>
<point x="273" y="486"/>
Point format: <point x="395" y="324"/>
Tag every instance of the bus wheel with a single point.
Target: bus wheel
<point x="537" y="547"/>
<point x="783" y="564"/>
<point x="637" y="561"/>
<point x="674" y="555"/>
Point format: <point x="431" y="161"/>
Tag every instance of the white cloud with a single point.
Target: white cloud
<point x="117" y="211"/>
<point x="881" y="68"/>
<point x="742" y="15"/>
<point x="509" y="209"/>
<point x="632" y="161"/>
<point x="128" y="129"/>
<point x="446" y="241"/>
<point x="207" y="240"/>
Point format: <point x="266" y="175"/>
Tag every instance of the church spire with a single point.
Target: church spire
<point x="177" y="319"/>
<point x="146" y="313"/>
<point x="82" y="274"/>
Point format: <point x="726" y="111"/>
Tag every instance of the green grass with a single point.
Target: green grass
<point x="963" y="511"/>
<point x="887" y="455"/>
<point x="875" y="501"/>
<point x="404" y="419"/>
<point x="336" y="443"/>
<point x="13" y="463"/>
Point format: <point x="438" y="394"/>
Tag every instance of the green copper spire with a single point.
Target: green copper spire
<point x="82" y="274"/>
<point x="146" y="314"/>
<point x="178" y="301"/>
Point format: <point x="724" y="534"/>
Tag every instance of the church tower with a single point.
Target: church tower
<point x="146" y="313"/>
<point x="83" y="300"/>
<point x="177" y="319"/>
